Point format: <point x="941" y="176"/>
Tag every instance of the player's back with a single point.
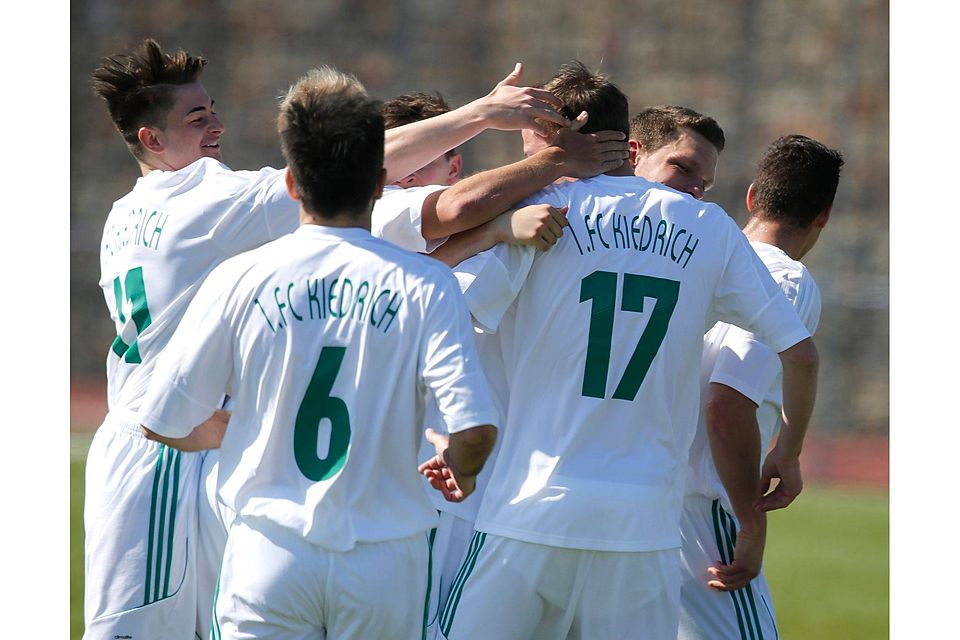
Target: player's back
<point x="333" y="335"/>
<point x="739" y="359"/>
<point x="602" y="346"/>
<point x="161" y="240"/>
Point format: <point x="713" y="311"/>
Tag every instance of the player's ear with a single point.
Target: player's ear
<point x="635" y="149"/>
<point x="149" y="137"/>
<point x="291" y="185"/>
<point x="823" y="217"/>
<point x="381" y="181"/>
<point x="454" y="169"/>
<point x="750" y="197"/>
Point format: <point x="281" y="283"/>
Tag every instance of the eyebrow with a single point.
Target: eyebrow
<point x="201" y="107"/>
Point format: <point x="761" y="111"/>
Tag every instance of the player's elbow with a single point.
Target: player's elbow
<point x="473" y="447"/>
<point x="802" y="355"/>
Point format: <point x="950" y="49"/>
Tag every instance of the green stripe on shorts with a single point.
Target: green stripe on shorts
<point x="456" y="590"/>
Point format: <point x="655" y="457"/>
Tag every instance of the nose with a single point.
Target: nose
<point x="216" y="125"/>
<point x="697" y="191"/>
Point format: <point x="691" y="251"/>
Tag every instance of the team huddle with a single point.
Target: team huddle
<point x="362" y="397"/>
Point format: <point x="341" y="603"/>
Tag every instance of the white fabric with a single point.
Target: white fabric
<point x="139" y="572"/>
<point x="213" y="523"/>
<point x="709" y="535"/>
<point x="741" y="360"/>
<point x="605" y="472"/>
<point x="159" y="243"/>
<point x="390" y="326"/>
<point x="451" y="539"/>
<point x="176" y="226"/>
<point x="511" y="590"/>
<point x="277" y="586"/>
<point x="397" y="217"/>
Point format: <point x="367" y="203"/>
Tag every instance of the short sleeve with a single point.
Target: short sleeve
<point x="254" y="208"/>
<point x="450" y="364"/>
<point x="195" y="368"/>
<point x="745" y="364"/>
<point x="397" y="218"/>
<point x="747" y="296"/>
<point x="491" y="280"/>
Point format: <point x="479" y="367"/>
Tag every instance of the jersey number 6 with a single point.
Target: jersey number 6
<point x="319" y="404"/>
<point x="600" y="287"/>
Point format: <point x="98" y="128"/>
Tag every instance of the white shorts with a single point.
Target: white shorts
<point x="449" y="545"/>
<point x="140" y="522"/>
<point x="275" y="584"/>
<point x="507" y="589"/>
<point x="213" y="521"/>
<point x="709" y="535"/>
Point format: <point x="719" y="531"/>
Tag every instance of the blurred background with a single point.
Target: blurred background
<point x="762" y="68"/>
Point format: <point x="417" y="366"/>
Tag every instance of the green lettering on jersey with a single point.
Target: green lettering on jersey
<point x="600" y="287"/>
<point x="316" y="406"/>
<point x="136" y="293"/>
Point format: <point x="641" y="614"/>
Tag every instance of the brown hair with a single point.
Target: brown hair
<point x="331" y="134"/>
<point x="414" y="107"/>
<point x="138" y="87"/>
<point x="656" y="126"/>
<point x="582" y="90"/>
<point x="797" y="178"/>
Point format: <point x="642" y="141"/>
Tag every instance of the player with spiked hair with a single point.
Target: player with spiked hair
<point x="186" y="214"/>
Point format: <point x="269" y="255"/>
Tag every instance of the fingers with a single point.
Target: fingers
<point x="545" y="96"/>
<point x="581" y="120"/>
<point x="512" y="78"/>
<point x="730" y="577"/>
<point x="608" y="135"/>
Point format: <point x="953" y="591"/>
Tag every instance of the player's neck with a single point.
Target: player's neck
<point x="343" y="219"/>
<point x="791" y="241"/>
<point x="623" y="170"/>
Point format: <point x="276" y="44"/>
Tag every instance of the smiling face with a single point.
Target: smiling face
<point x="687" y="163"/>
<point x="192" y="130"/>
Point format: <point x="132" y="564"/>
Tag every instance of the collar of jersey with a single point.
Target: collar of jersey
<point x="343" y="233"/>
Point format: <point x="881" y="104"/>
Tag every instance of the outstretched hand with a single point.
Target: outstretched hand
<point x="454" y="486"/>
<point x="509" y="107"/>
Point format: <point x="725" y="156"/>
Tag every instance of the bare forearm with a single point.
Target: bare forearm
<point x="466" y="244"/>
<point x="483" y="196"/>
<point x="469" y="449"/>
<point x="735" y="444"/>
<point x="415" y="145"/>
<point x="800" y="366"/>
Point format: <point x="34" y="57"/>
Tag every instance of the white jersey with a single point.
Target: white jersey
<point x="602" y="337"/>
<point x="161" y="240"/>
<point x="741" y="360"/>
<point x="397" y="217"/>
<point x="328" y="340"/>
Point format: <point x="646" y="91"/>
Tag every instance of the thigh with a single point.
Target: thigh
<point x="139" y="525"/>
<point x="450" y="542"/>
<point x="213" y="521"/>
<point x="628" y="595"/>
<point x="378" y="590"/>
<point x="708" y="535"/>
<point x="271" y="586"/>
<point x="495" y="592"/>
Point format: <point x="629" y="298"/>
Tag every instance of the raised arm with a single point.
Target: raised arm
<point x="800" y="364"/>
<point x="507" y="107"/>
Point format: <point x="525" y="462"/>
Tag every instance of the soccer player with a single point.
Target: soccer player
<point x="327" y="339"/>
<point x="577" y="534"/>
<point x="186" y="214"/>
<point x="677" y="147"/>
<point x="790" y="202"/>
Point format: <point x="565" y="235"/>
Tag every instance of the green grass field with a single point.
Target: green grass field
<point x="827" y="561"/>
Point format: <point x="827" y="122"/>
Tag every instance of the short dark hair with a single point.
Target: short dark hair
<point x="331" y="134"/>
<point x="582" y="90"/>
<point x="414" y="107"/>
<point x="797" y="178"/>
<point x="656" y="126"/>
<point x="138" y="87"/>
